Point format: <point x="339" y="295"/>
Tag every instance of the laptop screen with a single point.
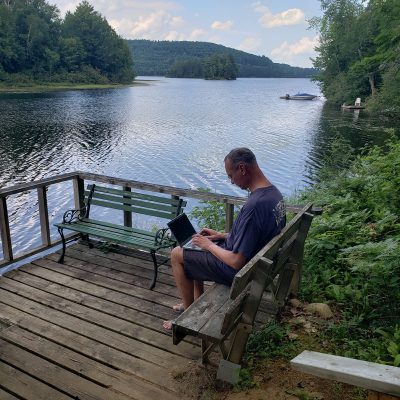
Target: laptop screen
<point x="181" y="228"/>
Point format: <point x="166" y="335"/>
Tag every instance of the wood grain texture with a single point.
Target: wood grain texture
<point x="377" y="377"/>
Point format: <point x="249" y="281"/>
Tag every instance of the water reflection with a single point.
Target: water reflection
<point x="174" y="132"/>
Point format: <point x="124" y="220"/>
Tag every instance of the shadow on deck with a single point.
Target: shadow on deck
<point x="89" y="329"/>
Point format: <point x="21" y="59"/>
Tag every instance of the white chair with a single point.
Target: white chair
<point x="358" y="102"/>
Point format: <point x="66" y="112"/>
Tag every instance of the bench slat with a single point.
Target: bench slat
<point x="136" y="195"/>
<point x="166" y="215"/>
<point x="127" y="201"/>
<point x="373" y="376"/>
<point x="121" y="238"/>
<point x="118" y="228"/>
<point x="200" y="312"/>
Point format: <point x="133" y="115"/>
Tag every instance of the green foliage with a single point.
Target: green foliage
<point x="36" y="46"/>
<point x="270" y="342"/>
<point x="353" y="250"/>
<point x="186" y="68"/>
<point x="169" y="58"/>
<point x="211" y="214"/>
<point x="359" y="52"/>
<point x="220" y="66"/>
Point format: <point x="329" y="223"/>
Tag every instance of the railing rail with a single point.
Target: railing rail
<point x="78" y="178"/>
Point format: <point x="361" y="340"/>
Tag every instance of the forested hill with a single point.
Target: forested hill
<point x="156" y="57"/>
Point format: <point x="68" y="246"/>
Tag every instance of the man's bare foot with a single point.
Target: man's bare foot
<point x="178" y="308"/>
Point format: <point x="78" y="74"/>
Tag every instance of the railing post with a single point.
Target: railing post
<point x="5" y="230"/>
<point x="127" y="214"/>
<point x="79" y="195"/>
<point x="44" y="215"/>
<point x="229" y="207"/>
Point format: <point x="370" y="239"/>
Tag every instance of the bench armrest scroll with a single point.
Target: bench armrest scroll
<point x="72" y="215"/>
<point x="162" y="236"/>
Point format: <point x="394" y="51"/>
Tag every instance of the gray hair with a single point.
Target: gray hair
<point x="241" y="154"/>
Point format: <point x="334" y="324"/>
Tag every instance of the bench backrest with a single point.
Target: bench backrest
<point x="140" y="203"/>
<point x="277" y="265"/>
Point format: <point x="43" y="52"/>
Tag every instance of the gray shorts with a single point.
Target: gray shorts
<point x="204" y="266"/>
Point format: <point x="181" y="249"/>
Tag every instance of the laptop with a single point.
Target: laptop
<point x="183" y="230"/>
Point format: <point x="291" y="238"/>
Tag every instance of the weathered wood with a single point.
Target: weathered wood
<point x="44" y="215"/>
<point x="37" y="250"/>
<point x="79" y="189"/>
<point x="26" y="387"/>
<point x="128" y="357"/>
<point x="127" y="214"/>
<point x="229" y="213"/>
<point x="98" y="373"/>
<point x="373" y="376"/>
<point x="5" y="395"/>
<point x="5" y="230"/>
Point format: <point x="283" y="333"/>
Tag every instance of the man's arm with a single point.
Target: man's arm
<point x="234" y="260"/>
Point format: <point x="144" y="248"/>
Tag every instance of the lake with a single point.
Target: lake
<point x="170" y="131"/>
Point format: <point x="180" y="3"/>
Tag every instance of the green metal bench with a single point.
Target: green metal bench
<point x="157" y="243"/>
<point x="224" y="316"/>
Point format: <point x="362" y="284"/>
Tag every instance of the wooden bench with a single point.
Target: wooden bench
<point x="131" y="202"/>
<point x="382" y="380"/>
<point x="224" y="316"/>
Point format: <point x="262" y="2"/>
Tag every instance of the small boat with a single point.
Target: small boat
<point x="299" y="96"/>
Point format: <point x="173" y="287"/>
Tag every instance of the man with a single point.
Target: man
<point x="260" y="219"/>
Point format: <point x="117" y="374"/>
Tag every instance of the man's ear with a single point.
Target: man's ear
<point x="242" y="168"/>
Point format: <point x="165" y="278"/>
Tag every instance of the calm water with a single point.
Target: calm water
<point x="172" y="131"/>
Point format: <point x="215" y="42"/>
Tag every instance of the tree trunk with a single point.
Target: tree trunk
<point x="372" y="84"/>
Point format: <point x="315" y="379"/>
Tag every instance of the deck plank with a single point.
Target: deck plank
<point x="103" y="353"/>
<point x="55" y="376"/>
<point x="7" y="396"/>
<point x="96" y="318"/>
<point x="89" y="369"/>
<point x="26" y="387"/>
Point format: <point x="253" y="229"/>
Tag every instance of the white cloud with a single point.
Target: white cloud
<point x="154" y="26"/>
<point x="222" y="26"/>
<point x="287" y="51"/>
<point x="292" y="16"/>
<point x="250" y="44"/>
<point x="197" y="34"/>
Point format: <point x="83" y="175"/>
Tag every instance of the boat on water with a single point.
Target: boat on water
<point x="299" y="96"/>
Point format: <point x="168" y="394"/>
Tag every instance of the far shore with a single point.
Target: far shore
<point x="67" y="86"/>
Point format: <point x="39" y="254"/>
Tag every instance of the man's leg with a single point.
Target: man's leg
<point x="184" y="285"/>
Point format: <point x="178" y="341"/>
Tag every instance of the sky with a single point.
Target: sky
<point x="277" y="29"/>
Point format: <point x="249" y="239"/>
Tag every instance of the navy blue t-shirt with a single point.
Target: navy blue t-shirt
<point x="261" y="218"/>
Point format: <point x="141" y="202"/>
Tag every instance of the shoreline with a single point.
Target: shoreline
<point x="65" y="86"/>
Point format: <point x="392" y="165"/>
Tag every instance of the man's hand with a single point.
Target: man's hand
<point x="204" y="242"/>
<point x="213" y="235"/>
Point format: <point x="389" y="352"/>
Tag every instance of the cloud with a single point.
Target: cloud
<point x="250" y="44"/>
<point x="222" y="26"/>
<point x="292" y="16"/>
<point x="287" y="51"/>
<point x="197" y="34"/>
<point x="154" y="26"/>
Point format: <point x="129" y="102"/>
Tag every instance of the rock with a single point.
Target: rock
<point x="292" y="336"/>
<point x="320" y="309"/>
<point x="296" y="303"/>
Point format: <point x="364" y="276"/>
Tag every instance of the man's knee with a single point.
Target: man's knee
<point x="177" y="256"/>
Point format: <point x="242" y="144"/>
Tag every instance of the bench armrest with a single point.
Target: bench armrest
<point x="71" y="215"/>
<point x="163" y="236"/>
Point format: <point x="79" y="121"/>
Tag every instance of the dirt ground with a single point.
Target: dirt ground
<point x="272" y="379"/>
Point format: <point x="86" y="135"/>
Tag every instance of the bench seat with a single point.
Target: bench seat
<point x="156" y="243"/>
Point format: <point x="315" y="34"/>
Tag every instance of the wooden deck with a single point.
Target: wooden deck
<point x="89" y="329"/>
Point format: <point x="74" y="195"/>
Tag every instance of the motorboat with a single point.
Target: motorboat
<point x="299" y="96"/>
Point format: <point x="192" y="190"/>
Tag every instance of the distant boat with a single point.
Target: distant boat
<point x="299" y="96"/>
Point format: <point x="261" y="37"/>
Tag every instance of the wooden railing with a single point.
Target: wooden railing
<point x="78" y="178"/>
